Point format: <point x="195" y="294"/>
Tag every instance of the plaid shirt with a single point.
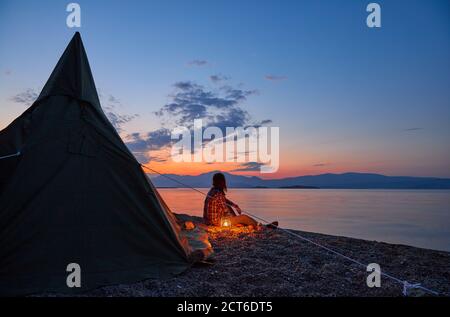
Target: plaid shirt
<point x="216" y="207"/>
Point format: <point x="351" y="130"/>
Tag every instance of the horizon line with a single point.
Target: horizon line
<point x="305" y="175"/>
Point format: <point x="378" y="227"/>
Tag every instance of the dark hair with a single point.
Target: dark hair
<point x="219" y="182"/>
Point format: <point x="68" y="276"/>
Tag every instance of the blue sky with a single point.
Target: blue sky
<point x="346" y="97"/>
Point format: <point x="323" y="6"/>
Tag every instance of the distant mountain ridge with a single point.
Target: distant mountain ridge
<point x="330" y="181"/>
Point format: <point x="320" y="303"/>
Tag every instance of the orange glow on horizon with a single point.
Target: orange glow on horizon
<point x="292" y="164"/>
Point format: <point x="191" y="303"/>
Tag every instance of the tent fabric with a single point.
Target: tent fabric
<point x="76" y="194"/>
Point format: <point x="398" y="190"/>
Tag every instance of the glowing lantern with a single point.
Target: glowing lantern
<point x="226" y="222"/>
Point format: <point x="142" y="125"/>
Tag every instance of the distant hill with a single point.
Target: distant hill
<point x="331" y="181"/>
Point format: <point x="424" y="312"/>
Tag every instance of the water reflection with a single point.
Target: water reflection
<point x="414" y="217"/>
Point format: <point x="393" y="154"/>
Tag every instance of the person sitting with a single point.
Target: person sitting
<point x="217" y="207"/>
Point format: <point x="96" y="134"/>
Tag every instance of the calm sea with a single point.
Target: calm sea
<point x="414" y="217"/>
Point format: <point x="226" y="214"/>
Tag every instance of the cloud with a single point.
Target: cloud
<point x="110" y="107"/>
<point x="117" y="119"/>
<point x="262" y="123"/>
<point x="321" y="164"/>
<point x="114" y="100"/>
<point x="198" y="62"/>
<point x="218" y="78"/>
<point x="26" y="98"/>
<point x="249" y="167"/>
<point x="237" y="93"/>
<point x="220" y="107"/>
<point x="7" y="72"/>
<point x="413" y="129"/>
<point x="185" y="85"/>
<point x="275" y="78"/>
<point x="140" y="145"/>
<point x="156" y="159"/>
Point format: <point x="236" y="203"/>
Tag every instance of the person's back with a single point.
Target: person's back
<point x="215" y="207"/>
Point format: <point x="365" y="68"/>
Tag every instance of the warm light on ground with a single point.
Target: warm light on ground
<point x="231" y="232"/>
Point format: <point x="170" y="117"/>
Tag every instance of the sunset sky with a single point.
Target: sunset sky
<point x="345" y="97"/>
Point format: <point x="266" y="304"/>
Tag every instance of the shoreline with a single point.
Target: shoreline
<point x="271" y="263"/>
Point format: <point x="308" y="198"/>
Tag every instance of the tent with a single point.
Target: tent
<point x="73" y="193"/>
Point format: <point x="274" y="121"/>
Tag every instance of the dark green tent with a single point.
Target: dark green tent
<point x="75" y="194"/>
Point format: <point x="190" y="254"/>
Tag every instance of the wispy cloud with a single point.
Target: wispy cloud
<point x="412" y="129"/>
<point x="321" y="164"/>
<point x="198" y="62"/>
<point x="249" y="167"/>
<point x="262" y="123"/>
<point x="111" y="106"/>
<point x="7" y="72"/>
<point x="118" y="120"/>
<point x="218" y="78"/>
<point x="114" y="100"/>
<point x="153" y="140"/>
<point x="221" y="107"/>
<point x="275" y="77"/>
<point x="26" y="97"/>
<point x="140" y="145"/>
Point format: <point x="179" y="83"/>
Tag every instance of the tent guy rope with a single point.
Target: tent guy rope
<point x="10" y="155"/>
<point x="406" y="286"/>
